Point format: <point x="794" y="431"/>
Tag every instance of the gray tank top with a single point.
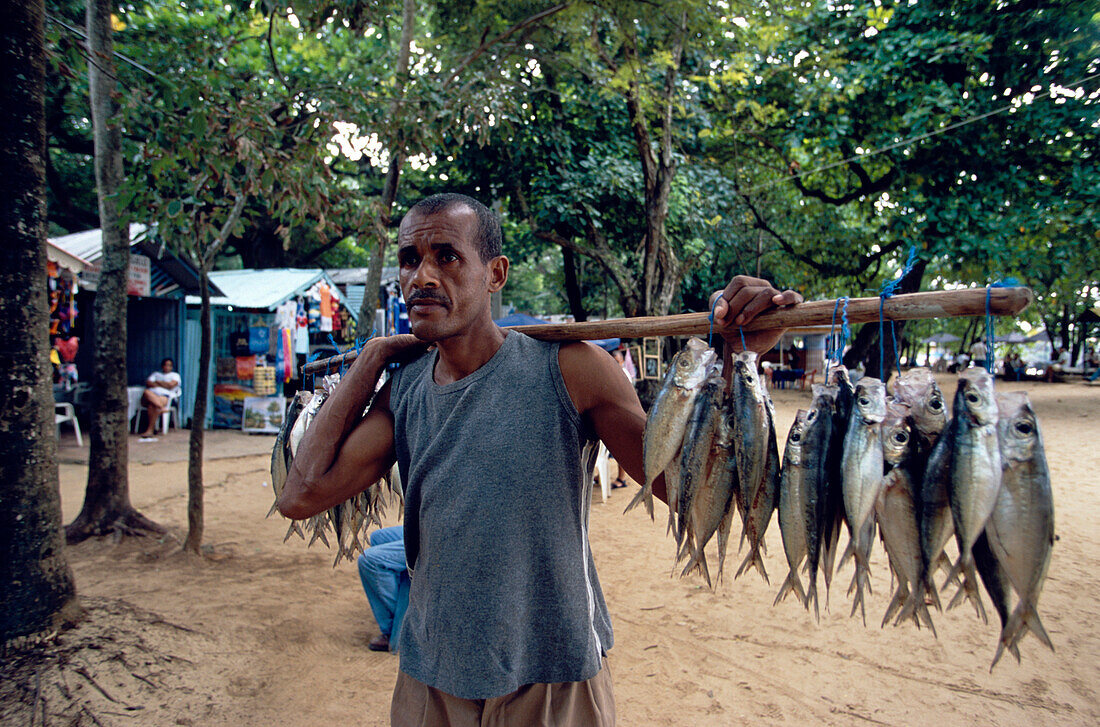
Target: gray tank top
<point x="504" y="590"/>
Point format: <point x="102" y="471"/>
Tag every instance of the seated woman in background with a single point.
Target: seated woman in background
<point x="160" y="388"/>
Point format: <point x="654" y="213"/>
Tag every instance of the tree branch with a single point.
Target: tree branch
<point x="485" y="45"/>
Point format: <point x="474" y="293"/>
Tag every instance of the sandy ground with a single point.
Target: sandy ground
<point x="261" y="632"/>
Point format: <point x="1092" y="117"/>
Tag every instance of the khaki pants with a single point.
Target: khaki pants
<point x="568" y="704"/>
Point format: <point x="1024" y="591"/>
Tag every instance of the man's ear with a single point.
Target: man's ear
<point x="498" y="273"/>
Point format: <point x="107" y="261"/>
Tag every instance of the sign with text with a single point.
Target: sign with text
<point x="138" y="281"/>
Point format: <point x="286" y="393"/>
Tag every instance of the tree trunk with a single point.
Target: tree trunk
<point x="107" y="496"/>
<point x="865" y="345"/>
<point x="37" y="593"/>
<point x="193" y="542"/>
<point x="572" y="286"/>
<point x="371" y="297"/>
<point x="393" y="172"/>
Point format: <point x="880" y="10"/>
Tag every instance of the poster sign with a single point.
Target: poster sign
<point x="137" y="282"/>
<point x="263" y="414"/>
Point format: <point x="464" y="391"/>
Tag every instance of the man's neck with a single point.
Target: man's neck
<point x="462" y="355"/>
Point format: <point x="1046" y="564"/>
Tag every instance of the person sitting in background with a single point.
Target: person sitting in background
<point x="1055" y="367"/>
<point x="978" y="352"/>
<point x="160" y="388"/>
<point x="381" y="569"/>
<point x="1014" y="367"/>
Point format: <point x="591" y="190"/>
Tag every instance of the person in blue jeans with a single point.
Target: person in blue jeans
<point x="385" y="577"/>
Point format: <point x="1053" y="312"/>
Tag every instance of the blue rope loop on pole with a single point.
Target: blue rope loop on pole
<point x="710" y="318"/>
<point x="838" y="340"/>
<point x="312" y="377"/>
<point x="888" y="289"/>
<point x="990" y="324"/>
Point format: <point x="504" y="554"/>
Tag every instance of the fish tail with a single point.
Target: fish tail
<point x="1031" y="618"/>
<point x="899" y="599"/>
<point x="698" y="563"/>
<point x="847" y="554"/>
<point x="969" y="589"/>
<point x="792" y="582"/>
<point x="754" y="560"/>
<point x="644" y="495"/>
<point x="859" y="581"/>
<point x="274" y="507"/>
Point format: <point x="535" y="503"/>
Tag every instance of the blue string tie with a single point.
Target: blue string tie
<point x="888" y="289"/>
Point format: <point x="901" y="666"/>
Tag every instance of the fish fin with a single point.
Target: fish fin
<point x="792" y="582"/>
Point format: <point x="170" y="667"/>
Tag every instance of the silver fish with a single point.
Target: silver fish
<point x="863" y="466"/>
<point x="1021" y="527"/>
<point x="764" y="498"/>
<point x="667" y="420"/>
<point x="975" y="479"/>
<point x="896" y="512"/>
<point x="792" y="506"/>
<point x="833" y="500"/>
<point x="712" y="497"/>
<point x="818" y="438"/>
<point x="895" y="435"/>
<point x="917" y="389"/>
<point x="751" y="428"/>
<point x="695" y="454"/>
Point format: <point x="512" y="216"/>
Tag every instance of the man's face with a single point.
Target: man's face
<point x="445" y="283"/>
<point x="166" y="367"/>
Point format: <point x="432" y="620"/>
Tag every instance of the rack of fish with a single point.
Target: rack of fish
<point x="861" y="461"/>
<point x="346" y="522"/>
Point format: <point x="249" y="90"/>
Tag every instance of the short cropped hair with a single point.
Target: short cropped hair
<point x="488" y="226"/>
<point x="168" y="360"/>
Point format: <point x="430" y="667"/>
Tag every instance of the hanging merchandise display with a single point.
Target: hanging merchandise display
<point x="263" y="380"/>
<point x="246" y="366"/>
<point x="238" y="343"/>
<point x="226" y="367"/>
<point x="301" y="337"/>
<point x="259" y="337"/>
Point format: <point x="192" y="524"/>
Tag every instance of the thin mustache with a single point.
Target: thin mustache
<point x="424" y="295"/>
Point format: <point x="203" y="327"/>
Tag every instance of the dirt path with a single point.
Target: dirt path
<point x="264" y="632"/>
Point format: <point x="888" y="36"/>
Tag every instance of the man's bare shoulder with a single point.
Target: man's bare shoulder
<point x="591" y="375"/>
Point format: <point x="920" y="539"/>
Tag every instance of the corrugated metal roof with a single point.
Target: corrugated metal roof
<point x="88" y="245"/>
<point x="355" y="296"/>
<point x="358" y="276"/>
<point x="265" y="289"/>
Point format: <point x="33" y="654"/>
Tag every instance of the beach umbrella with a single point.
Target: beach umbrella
<point x="941" y="338"/>
<point x="1013" y="337"/>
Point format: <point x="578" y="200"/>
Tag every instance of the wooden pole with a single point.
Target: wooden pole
<point x="906" y="307"/>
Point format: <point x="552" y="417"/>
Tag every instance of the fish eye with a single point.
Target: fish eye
<point x="935" y="404"/>
<point x="973" y="398"/>
<point x="796" y="437"/>
<point x="1024" y="428"/>
<point x="864" y="401"/>
<point x="901" y="437"/>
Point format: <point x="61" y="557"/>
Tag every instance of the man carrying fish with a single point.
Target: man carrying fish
<point x="506" y="620"/>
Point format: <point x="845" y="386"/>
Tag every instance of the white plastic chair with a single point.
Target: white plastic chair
<point x="135" y="408"/>
<point x="133" y="405"/>
<point x="66" y="412"/>
<point x="173" y="407"/>
<point x="603" y="470"/>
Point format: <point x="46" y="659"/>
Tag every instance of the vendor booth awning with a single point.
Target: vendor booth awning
<point x="266" y="289"/>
